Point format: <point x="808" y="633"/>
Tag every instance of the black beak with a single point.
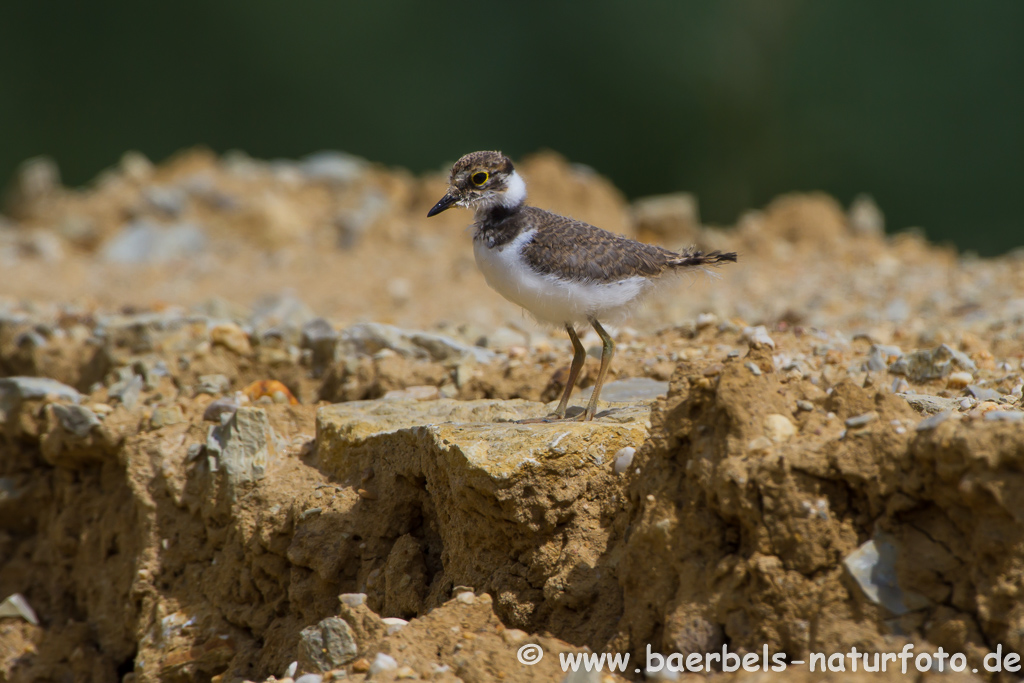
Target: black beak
<point x="445" y="203"/>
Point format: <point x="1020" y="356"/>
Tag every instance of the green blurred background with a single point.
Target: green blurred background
<point x="918" y="103"/>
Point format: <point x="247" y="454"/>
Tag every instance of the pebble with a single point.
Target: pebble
<point x="466" y="598"/>
<point x="959" y="380"/>
<point x="753" y="367"/>
<point x="381" y="663"/>
<point x="941" y="361"/>
<point x="231" y="337"/>
<point x="309" y="678"/>
<point x="216" y="410"/>
<point x="361" y="665"/>
<point x="426" y="392"/>
<point x="983" y="393"/>
<point x="806" y="406"/>
<point x="212" y="384"/>
<point x="127" y="391"/>
<point x="352" y="599"/>
<point x="320" y="337"/>
<point x="623" y="459"/>
<point x="861" y="420"/>
<point x="146" y="242"/>
<point x="757" y="335"/>
<point x="406" y="673"/>
<point x="164" y="416"/>
<point x="924" y="403"/>
<point x="778" y="428"/>
<point x="15" y="605"/>
<point x="284" y="312"/>
<point x="760" y="445"/>
<point x="327" y="645"/>
<point x="514" y="636"/>
<point x="629" y="390"/>
<point x="27" y="388"/>
<point x="1004" y="416"/>
<point x="394" y="624"/>
<point x="880" y="355"/>
<point x="333" y="166"/>
<point x="933" y="421"/>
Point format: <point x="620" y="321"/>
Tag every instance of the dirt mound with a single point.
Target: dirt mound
<point x="204" y="477"/>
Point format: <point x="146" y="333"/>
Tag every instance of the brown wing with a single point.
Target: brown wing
<point x="575" y="250"/>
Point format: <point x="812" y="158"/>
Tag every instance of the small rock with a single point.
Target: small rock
<point x="760" y="445"/>
<point x="623" y="459"/>
<point x="381" y="663"/>
<point x="309" y="678"/>
<point x="361" y="665"/>
<point x="805" y="406"/>
<point x="873" y="567"/>
<point x="328" y="645"/>
<point x="982" y="393"/>
<point x="322" y="339"/>
<point x="933" y="421"/>
<point x="292" y="668"/>
<point x="164" y="416"/>
<point x="778" y="428"/>
<point x="217" y="409"/>
<point x="930" y="405"/>
<point x="146" y="242"/>
<point x="416" y="393"/>
<point x="394" y="624"/>
<point x="503" y="339"/>
<point x="13" y="390"/>
<point x="241" y="446"/>
<point x="466" y="598"/>
<point x="880" y="355"/>
<point x="757" y="336"/>
<point x="1004" y="416"/>
<point x="213" y="385"/>
<point x="369" y="338"/>
<point x="861" y="420"/>
<point x="352" y="599"/>
<point x="76" y="420"/>
<point x="406" y="673"/>
<point x="958" y="380"/>
<point x="753" y="367"/>
<point x="15" y="605"/>
<point x="169" y="200"/>
<point x="514" y="636"/>
<point x="865" y="218"/>
<point x="231" y="337"/>
<point x="900" y="385"/>
<point x="920" y="366"/>
<point x="629" y="390"/>
<point x="334" y="167"/>
<point x="284" y="311"/>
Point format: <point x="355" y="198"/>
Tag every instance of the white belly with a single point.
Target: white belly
<point x="547" y="297"/>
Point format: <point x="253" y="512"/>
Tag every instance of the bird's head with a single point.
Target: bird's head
<point x="483" y="181"/>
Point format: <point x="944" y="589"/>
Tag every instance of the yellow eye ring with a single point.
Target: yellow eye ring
<point x="480" y="177"/>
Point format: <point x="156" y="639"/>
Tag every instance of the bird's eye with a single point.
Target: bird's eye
<point x="480" y="177"/>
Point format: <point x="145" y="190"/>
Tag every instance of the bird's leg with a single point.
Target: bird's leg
<point x="579" y="356"/>
<point x="607" y="351"/>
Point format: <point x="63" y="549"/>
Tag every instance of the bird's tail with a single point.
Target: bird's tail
<point x="697" y="258"/>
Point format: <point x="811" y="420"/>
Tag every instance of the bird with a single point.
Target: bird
<point x="562" y="271"/>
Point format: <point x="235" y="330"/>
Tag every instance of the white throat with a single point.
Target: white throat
<point x="515" y="195"/>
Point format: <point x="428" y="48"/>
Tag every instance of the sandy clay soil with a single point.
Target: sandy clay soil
<point x="257" y="420"/>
